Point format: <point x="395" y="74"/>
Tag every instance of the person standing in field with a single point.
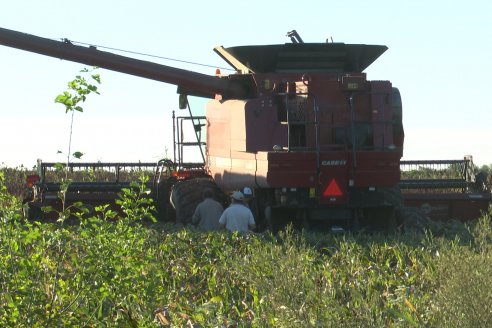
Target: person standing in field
<point x="237" y="217"/>
<point x="207" y="213"/>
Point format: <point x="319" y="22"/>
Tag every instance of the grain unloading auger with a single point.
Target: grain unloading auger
<point x="298" y="123"/>
<point x="192" y="83"/>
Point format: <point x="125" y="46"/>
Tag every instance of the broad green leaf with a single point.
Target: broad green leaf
<point x="61" y="99"/>
<point x="96" y="77"/>
<point x="78" y="154"/>
<point x="59" y="166"/>
<point x="101" y="208"/>
<point x="47" y="209"/>
<point x="216" y="299"/>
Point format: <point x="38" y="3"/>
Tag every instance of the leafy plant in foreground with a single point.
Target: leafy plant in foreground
<point x="103" y="272"/>
<point x="465" y="276"/>
<point x="135" y="202"/>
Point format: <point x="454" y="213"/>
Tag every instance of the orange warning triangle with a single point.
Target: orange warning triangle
<point x="332" y="189"/>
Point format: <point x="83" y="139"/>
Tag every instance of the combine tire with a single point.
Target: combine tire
<point x="394" y="197"/>
<point x="33" y="213"/>
<point x="187" y="194"/>
<point x="408" y="219"/>
<point x="165" y="211"/>
<point x="274" y="223"/>
<point x="382" y="219"/>
<point x="414" y="220"/>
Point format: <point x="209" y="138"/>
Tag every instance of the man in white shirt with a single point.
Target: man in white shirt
<point x="237" y="217"/>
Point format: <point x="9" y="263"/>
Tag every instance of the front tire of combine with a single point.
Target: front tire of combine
<point x="277" y="219"/>
<point x="393" y="197"/>
<point x="165" y="212"/>
<point x="33" y="213"/>
<point x="89" y="211"/>
<point x="382" y="219"/>
<point x="414" y="220"/>
<point x="271" y="221"/>
<point x="187" y="194"/>
<point x="408" y="219"/>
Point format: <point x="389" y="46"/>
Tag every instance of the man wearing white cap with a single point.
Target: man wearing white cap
<point x="237" y="217"/>
<point x="249" y="201"/>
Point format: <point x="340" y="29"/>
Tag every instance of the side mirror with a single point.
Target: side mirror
<point x="183" y="101"/>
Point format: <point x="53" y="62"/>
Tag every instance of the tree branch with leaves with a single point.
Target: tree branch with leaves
<point x="77" y="92"/>
<point x="78" y="89"/>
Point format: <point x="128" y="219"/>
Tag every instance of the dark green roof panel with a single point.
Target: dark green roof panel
<point x="307" y="57"/>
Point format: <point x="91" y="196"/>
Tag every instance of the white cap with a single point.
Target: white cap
<point x="247" y="191"/>
<point x="237" y="195"/>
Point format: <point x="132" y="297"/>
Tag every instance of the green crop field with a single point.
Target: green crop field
<point x="132" y="273"/>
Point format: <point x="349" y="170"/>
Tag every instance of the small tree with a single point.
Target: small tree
<point x="77" y="92"/>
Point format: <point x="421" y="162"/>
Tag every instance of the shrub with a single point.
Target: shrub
<point x="15" y="179"/>
<point x="465" y="276"/>
<point x="122" y="272"/>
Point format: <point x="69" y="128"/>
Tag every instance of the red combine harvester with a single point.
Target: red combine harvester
<point x="298" y="123"/>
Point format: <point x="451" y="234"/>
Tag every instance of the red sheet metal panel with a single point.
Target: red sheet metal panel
<point x="372" y="169"/>
<point x="296" y="169"/>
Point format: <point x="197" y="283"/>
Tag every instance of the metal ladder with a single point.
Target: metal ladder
<point x="180" y="124"/>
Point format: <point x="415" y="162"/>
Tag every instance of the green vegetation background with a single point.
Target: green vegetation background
<point x="129" y="273"/>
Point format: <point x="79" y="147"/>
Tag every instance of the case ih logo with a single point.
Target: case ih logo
<point x="337" y="162"/>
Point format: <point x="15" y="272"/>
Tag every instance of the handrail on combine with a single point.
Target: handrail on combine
<point x="440" y="174"/>
<point x="115" y="168"/>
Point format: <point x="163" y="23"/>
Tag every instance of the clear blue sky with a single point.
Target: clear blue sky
<point x="439" y="57"/>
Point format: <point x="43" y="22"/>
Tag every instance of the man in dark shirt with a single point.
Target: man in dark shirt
<point x="208" y="212"/>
